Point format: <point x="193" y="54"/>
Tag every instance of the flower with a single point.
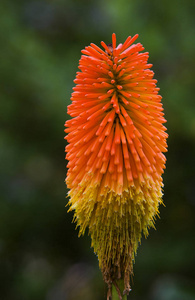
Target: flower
<point x="116" y="139"/>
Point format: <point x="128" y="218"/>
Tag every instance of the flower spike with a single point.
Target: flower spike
<point x="116" y="139"/>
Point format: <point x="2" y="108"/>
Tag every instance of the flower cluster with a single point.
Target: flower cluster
<point x="116" y="139"/>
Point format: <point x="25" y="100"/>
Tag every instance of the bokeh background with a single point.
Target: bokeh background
<point x="41" y="256"/>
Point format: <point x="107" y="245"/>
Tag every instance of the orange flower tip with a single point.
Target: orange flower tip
<point x="107" y="48"/>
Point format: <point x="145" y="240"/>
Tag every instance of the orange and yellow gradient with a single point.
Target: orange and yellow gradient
<point x="116" y="141"/>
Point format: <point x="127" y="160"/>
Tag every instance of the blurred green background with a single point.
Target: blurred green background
<point x="40" y="43"/>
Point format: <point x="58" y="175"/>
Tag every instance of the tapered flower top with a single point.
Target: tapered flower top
<point x="115" y="142"/>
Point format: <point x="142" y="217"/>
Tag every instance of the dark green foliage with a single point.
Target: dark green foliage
<point x="40" y="42"/>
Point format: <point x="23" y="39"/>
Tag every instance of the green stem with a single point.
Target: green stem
<point x="115" y="290"/>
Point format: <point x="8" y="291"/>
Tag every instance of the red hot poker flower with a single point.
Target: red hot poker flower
<point x="116" y="141"/>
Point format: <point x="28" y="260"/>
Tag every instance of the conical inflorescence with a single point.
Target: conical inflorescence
<point x="116" y="139"/>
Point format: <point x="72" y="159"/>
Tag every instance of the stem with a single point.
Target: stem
<point x="117" y="290"/>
